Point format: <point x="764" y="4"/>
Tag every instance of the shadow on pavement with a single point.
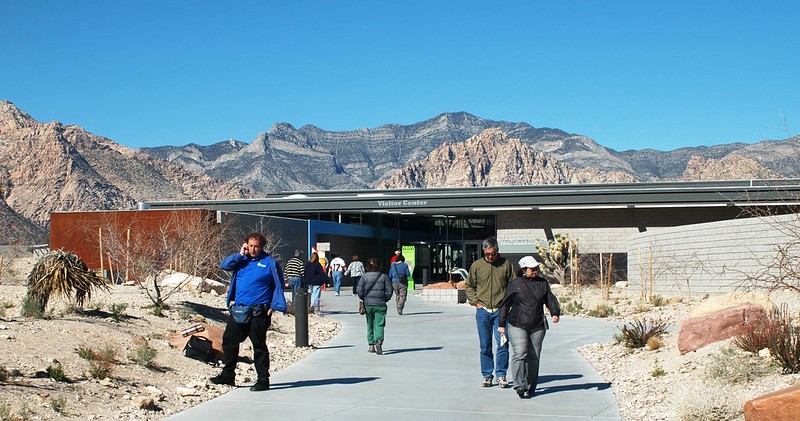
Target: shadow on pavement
<point x="555" y="377"/>
<point x="334" y="347"/>
<point x="402" y="350"/>
<point x="568" y="387"/>
<point x="321" y="382"/>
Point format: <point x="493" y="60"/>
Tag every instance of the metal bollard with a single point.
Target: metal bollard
<point x="301" y="317"/>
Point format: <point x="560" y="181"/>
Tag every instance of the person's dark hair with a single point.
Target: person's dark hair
<point x="355" y="258"/>
<point x="373" y="265"/>
<point x="261" y="240"/>
<point x="490" y="243"/>
<point x="313" y="258"/>
<point x="298" y="253"/>
<point x="400" y="258"/>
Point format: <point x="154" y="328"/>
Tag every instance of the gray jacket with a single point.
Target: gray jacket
<point x="375" y="289"/>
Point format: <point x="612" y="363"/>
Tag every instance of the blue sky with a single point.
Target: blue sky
<point x="629" y="74"/>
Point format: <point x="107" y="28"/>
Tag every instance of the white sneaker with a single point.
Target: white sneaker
<point x="336" y="293"/>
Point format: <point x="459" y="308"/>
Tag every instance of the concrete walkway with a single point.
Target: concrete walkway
<point x="429" y="370"/>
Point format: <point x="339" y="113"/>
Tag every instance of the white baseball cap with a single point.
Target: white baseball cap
<point x="528" y="262"/>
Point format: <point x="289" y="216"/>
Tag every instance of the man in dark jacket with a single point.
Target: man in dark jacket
<point x="485" y="288"/>
<point x="256" y="291"/>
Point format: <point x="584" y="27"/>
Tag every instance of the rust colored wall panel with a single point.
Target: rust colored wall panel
<point x="80" y="232"/>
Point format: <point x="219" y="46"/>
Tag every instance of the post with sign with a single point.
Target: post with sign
<point x="410" y="254"/>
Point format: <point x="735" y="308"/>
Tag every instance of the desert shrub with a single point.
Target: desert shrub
<point x="56" y="372"/>
<point x="185" y="313"/>
<point x="31" y="308"/>
<point x="3" y="374"/>
<point x="59" y="405"/>
<point x="144" y="355"/>
<point x="758" y="336"/>
<point x="107" y="354"/>
<point x="658" y="371"/>
<point x="118" y="311"/>
<point x="654" y="342"/>
<point x="785" y="344"/>
<point x="85" y="352"/>
<point x="732" y="367"/>
<point x="636" y="334"/>
<point x="572" y="307"/>
<point x="158" y="309"/>
<point x="601" y="311"/>
<point x="706" y="401"/>
<point x="657" y="300"/>
<point x="100" y="369"/>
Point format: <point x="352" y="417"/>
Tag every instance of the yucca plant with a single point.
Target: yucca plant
<point x="65" y="274"/>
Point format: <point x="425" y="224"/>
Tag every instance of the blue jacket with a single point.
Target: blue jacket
<point x="399" y="271"/>
<point x="257" y="281"/>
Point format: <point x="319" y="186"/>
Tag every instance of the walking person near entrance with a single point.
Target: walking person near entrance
<point x="399" y="274"/>
<point x="293" y="272"/>
<point x="523" y="308"/>
<point x="315" y="277"/>
<point x="336" y="272"/>
<point x="256" y="291"/>
<point x="485" y="288"/>
<point x="375" y="289"/>
<point x="355" y="269"/>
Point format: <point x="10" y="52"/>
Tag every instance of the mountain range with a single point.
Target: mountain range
<point x="47" y="167"/>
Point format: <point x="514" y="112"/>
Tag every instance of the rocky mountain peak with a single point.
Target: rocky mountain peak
<point x="730" y="167"/>
<point x="12" y="118"/>
<point x="491" y="158"/>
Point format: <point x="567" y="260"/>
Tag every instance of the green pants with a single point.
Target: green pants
<point x="376" y="320"/>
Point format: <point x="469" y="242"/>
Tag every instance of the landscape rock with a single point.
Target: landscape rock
<point x="697" y="332"/>
<point x="145" y="402"/>
<point x="781" y="405"/>
<point x="733" y="299"/>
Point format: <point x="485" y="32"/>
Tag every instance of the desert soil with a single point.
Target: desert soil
<point x="28" y="346"/>
<point x="655" y="384"/>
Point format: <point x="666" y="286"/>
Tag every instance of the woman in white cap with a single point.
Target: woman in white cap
<point x="523" y="309"/>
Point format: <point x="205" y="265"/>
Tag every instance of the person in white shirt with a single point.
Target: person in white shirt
<point x="355" y="270"/>
<point x="336" y="272"/>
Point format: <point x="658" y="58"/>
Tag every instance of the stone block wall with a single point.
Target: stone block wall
<point x="707" y="258"/>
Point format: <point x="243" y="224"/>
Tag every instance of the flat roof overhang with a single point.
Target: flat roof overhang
<point x="561" y="197"/>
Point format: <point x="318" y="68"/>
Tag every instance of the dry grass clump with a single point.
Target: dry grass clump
<point x="602" y="311"/>
<point x="706" y="401"/>
<point x="654" y="342"/>
<point x="732" y="367"/>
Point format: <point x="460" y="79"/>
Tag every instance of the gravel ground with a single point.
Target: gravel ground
<point x="657" y="384"/>
<point x="173" y="383"/>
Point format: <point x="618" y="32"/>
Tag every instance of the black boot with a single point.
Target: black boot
<point x="222" y="378"/>
<point x="260" y="385"/>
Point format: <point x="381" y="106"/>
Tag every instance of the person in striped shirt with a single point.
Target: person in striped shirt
<point x="293" y="272"/>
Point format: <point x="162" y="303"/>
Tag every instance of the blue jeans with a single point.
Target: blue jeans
<point x="337" y="280"/>
<point x="316" y="293"/>
<point x="487" y="327"/>
<point x="294" y="283"/>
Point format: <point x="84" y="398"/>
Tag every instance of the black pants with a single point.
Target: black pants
<point x="355" y="283"/>
<point x="236" y="333"/>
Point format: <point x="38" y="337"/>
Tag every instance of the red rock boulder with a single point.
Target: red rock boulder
<point x="697" y="332"/>
<point x="782" y="405"/>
